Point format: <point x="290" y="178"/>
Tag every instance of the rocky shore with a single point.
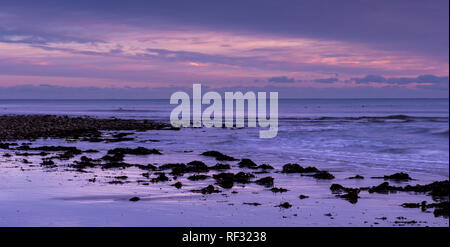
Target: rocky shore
<point x="222" y="177"/>
<point x="28" y="127"/>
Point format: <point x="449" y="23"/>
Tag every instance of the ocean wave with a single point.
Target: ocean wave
<point x="442" y="133"/>
<point x="403" y="118"/>
<point x="122" y="110"/>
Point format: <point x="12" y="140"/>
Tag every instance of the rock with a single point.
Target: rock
<point x="161" y="178"/>
<point x="51" y="149"/>
<point x="86" y="162"/>
<point x="219" y="156"/>
<point x="284" y="205"/>
<point x="303" y="197"/>
<point x="356" y="177"/>
<point x="5" y="145"/>
<point x="30" y="127"/>
<point x="441" y="212"/>
<point x="116" y="165"/>
<point x="208" y="190"/>
<point x="121" y="135"/>
<point x="265" y="167"/>
<point x="384" y="188"/>
<point x="177" y="185"/>
<point x="405" y="222"/>
<point x="278" y="190"/>
<point x="197" y="166"/>
<point x="296" y="168"/>
<point x="227" y="180"/>
<point x="69" y="152"/>
<point x="48" y="163"/>
<point x="219" y="167"/>
<point x="116" y="157"/>
<point x="441" y="209"/>
<point x="292" y="168"/>
<point x="247" y="163"/>
<point x="323" y="175"/>
<point x="172" y="166"/>
<point x="226" y="184"/>
<point x="266" y="181"/>
<point x="148" y="167"/>
<point x="337" y="188"/>
<point x="351" y="196"/>
<point x="179" y="169"/>
<point x="411" y="205"/>
<point x="436" y="189"/>
<point x="397" y="176"/>
<point x="242" y="177"/>
<point x="134" y="199"/>
<point x="177" y="166"/>
<point x="115" y="182"/>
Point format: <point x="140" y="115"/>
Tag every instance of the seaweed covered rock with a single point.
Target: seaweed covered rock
<point x="207" y="190"/>
<point x="149" y="167"/>
<point x="179" y="169"/>
<point x="401" y="176"/>
<point x="323" y="175"/>
<point x="349" y="194"/>
<point x="441" y="209"/>
<point x="134" y="199"/>
<point x="278" y="190"/>
<point x="247" y="163"/>
<point x="219" y="167"/>
<point x="197" y="166"/>
<point x="296" y="168"/>
<point x="384" y="188"/>
<point x="265" y="167"/>
<point x="437" y="189"/>
<point x="266" y="181"/>
<point x="30" y="127"/>
<point x="177" y="185"/>
<point x="227" y="180"/>
<point x="219" y="156"/>
<point x="284" y="205"/>
<point x="160" y="178"/>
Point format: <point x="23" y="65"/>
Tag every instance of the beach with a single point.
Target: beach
<point x="120" y="163"/>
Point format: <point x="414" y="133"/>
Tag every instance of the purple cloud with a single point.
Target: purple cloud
<point x="402" y="80"/>
<point x="327" y="80"/>
<point x="281" y="79"/>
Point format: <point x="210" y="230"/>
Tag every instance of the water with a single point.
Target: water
<point x="402" y="134"/>
<point x="370" y="137"/>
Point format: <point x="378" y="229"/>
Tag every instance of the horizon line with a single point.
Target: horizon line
<point x="168" y="98"/>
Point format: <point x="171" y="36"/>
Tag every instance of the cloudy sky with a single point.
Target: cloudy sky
<point x="141" y="49"/>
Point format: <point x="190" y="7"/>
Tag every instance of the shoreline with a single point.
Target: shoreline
<point x="113" y="158"/>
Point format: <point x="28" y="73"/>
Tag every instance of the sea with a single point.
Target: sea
<point x="394" y="134"/>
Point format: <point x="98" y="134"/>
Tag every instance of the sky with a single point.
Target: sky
<point x="150" y="49"/>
